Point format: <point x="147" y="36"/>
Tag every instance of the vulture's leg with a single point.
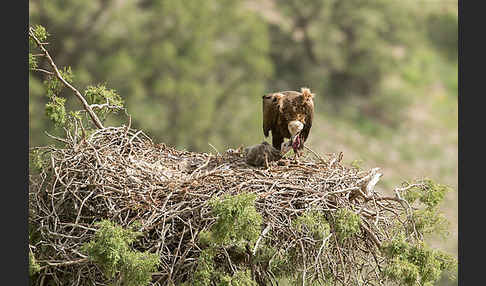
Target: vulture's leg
<point x="277" y="140"/>
<point x="296" y="156"/>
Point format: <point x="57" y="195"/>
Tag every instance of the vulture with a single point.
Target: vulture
<point x="288" y="114"/>
<point x="258" y="154"/>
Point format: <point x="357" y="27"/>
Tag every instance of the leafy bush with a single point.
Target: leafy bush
<point x="315" y="222"/>
<point x="346" y="224"/>
<point x="238" y="220"/>
<point x="110" y="249"/>
<point x="428" y="219"/>
<point x="415" y="264"/>
<point x="238" y="225"/>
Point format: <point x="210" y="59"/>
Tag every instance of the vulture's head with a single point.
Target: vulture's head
<point x="285" y="148"/>
<point x="295" y="127"/>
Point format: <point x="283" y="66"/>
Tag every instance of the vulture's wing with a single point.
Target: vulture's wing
<point x="309" y="112"/>
<point x="308" y="122"/>
<point x="269" y="113"/>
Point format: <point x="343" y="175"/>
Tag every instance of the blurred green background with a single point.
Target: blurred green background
<point x="192" y="73"/>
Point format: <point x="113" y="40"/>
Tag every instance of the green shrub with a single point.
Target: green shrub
<point x="409" y="263"/>
<point x="315" y="222"/>
<point x="346" y="224"/>
<point x="238" y="220"/>
<point x="110" y="249"/>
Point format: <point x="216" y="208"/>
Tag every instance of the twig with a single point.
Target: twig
<point x="315" y="154"/>
<point x="264" y="232"/>
<point x="214" y="148"/>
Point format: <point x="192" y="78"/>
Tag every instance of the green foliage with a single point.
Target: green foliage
<point x="137" y="267"/>
<point x="32" y="62"/>
<point x="34" y="267"/>
<point x="36" y="161"/>
<point x="207" y="272"/>
<point x="433" y="193"/>
<point x="184" y="78"/>
<point x="55" y="85"/>
<point x="315" y="222"/>
<point x="402" y="270"/>
<point x="428" y="219"/>
<point x="345" y="46"/>
<point x="40" y="33"/>
<point x="346" y="224"/>
<point x="442" y="30"/>
<point x="427" y="192"/>
<point x="110" y="249"/>
<point x="357" y="163"/>
<point x="415" y="264"/>
<point x="238" y="221"/>
<point x="205" y="267"/>
<point x="282" y="264"/>
<point x="100" y="95"/>
<point x="55" y="108"/>
<point x="238" y="225"/>
<point x="242" y="278"/>
<point x="448" y="264"/>
<point x="56" y="111"/>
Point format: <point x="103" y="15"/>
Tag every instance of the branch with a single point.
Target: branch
<point x="44" y="71"/>
<point x="65" y="263"/>
<point x="315" y="154"/>
<point x="86" y="106"/>
<point x="260" y="238"/>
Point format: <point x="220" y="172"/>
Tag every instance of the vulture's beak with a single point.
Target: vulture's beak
<point x="295" y="127"/>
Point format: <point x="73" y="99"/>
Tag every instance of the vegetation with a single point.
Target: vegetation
<point x="192" y="76"/>
<point x="415" y="265"/>
<point x="110" y="249"/>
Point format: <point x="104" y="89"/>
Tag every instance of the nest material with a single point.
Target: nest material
<point x="121" y="175"/>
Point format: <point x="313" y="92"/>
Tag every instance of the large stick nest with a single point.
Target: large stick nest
<point x="121" y="175"/>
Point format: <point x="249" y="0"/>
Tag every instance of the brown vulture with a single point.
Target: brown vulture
<point x="288" y="114"/>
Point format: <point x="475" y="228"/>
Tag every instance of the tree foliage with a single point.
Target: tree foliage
<point x="342" y="48"/>
<point x="179" y="65"/>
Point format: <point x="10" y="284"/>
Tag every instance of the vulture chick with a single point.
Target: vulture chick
<point x="256" y="155"/>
